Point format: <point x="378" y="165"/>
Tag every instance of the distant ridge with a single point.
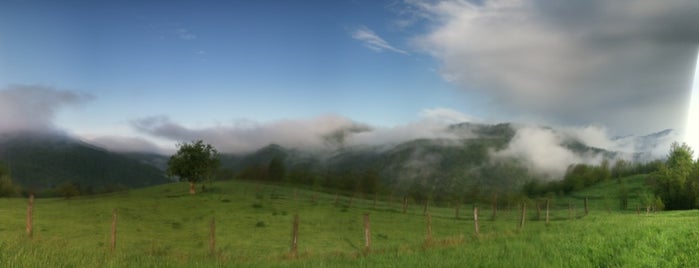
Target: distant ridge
<point x="40" y="161"/>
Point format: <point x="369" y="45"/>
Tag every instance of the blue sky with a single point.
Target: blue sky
<point x="219" y="61"/>
<point x="210" y="65"/>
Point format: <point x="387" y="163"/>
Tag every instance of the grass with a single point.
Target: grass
<point x="163" y="226"/>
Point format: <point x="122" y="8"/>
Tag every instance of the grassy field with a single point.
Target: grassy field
<point x="164" y="226"/>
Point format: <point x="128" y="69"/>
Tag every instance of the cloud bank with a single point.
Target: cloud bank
<point x="319" y="133"/>
<point x="246" y="136"/>
<point x="624" y="64"/>
<point x="125" y="144"/>
<point x="546" y="150"/>
<point x="33" y="108"/>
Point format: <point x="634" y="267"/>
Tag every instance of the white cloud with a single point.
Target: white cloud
<point x="373" y="41"/>
<point x="624" y="64"/>
<point x="544" y="151"/>
<point x="447" y="115"/>
<point x="313" y="133"/>
<point x="422" y="129"/>
<point x="185" y="34"/>
<point x="126" y="144"/>
<point x="33" y="107"/>
<point x="246" y="136"/>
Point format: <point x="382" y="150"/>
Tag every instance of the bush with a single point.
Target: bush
<point x="68" y="190"/>
<point x="7" y="188"/>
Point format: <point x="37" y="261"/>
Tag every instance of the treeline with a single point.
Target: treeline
<point x="9" y="188"/>
<point x="676" y="182"/>
<point x="482" y="184"/>
<point x="363" y="181"/>
<point x="581" y="176"/>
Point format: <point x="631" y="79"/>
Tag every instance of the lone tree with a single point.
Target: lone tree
<point x="193" y="162"/>
<point x="678" y="179"/>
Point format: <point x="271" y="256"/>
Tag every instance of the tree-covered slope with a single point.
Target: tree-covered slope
<point x="42" y="161"/>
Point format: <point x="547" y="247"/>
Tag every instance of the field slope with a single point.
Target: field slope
<point x="164" y="226"/>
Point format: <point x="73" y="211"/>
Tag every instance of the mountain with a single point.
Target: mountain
<point x="152" y="159"/>
<point x="468" y="155"/>
<point x="438" y="163"/>
<point x="472" y="157"/>
<point x="44" y="161"/>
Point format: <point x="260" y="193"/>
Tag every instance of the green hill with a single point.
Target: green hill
<point x="41" y="161"/>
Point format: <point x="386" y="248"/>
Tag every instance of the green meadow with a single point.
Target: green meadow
<point x="164" y="226"/>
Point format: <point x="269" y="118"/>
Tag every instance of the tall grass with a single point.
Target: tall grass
<point x="165" y="226"/>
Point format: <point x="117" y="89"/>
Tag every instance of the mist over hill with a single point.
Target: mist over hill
<point x="466" y="157"/>
<point x="479" y="157"/>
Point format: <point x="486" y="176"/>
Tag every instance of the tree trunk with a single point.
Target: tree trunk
<point x="192" y="190"/>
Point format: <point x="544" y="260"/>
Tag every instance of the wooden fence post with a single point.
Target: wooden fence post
<point x="456" y="210"/>
<point x="114" y="230"/>
<point x="494" y="207"/>
<point x="547" y="212"/>
<point x="30" y="216"/>
<point x="405" y="204"/>
<point x="586" y="209"/>
<point x="212" y="236"/>
<point x="428" y="218"/>
<point x="367" y="234"/>
<point x="475" y="219"/>
<point x="570" y="211"/>
<point x="295" y="236"/>
<point x="427" y="205"/>
<point x="538" y="210"/>
<point x="376" y="198"/>
<point x="524" y="214"/>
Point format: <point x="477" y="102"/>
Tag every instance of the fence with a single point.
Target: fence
<point x="517" y="214"/>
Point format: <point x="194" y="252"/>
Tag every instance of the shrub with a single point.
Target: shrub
<point x="7" y="188"/>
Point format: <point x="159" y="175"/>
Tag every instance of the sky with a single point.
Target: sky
<point x="144" y="75"/>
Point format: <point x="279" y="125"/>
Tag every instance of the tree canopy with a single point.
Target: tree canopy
<point x="678" y="180"/>
<point x="193" y="162"/>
